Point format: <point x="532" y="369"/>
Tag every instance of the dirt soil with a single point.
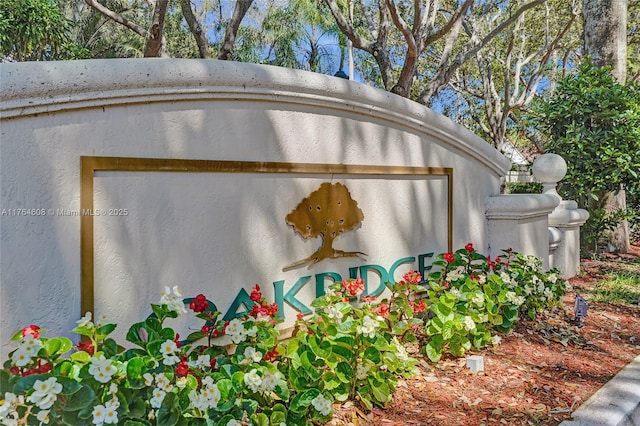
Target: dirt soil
<point x="540" y="374"/>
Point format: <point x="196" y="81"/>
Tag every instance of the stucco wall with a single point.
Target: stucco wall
<point x="210" y="233"/>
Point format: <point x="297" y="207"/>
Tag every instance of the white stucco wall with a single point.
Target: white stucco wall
<point x="210" y="234"/>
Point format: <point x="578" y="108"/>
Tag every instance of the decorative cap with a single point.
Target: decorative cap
<point x="549" y="168"/>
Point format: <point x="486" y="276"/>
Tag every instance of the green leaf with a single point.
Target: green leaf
<point x="80" y="357"/>
<point x="344" y="372"/>
<point x="301" y="401"/>
<point x="372" y="354"/>
<point x="278" y="417"/>
<point x="381" y="391"/>
<point x="169" y="411"/>
<point x="80" y="399"/>
<point x="58" y="345"/>
<point x="260" y="419"/>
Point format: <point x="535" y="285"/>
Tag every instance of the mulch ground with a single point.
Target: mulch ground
<point x="540" y="374"/>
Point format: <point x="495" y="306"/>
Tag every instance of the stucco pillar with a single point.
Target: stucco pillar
<point x="566" y="218"/>
<point x="520" y="222"/>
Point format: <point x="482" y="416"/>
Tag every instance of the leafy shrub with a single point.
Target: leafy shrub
<point x="354" y="350"/>
<point x="594" y="123"/>
<point x="351" y="348"/>
<point x="472" y="297"/>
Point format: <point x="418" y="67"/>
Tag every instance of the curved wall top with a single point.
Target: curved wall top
<point x="29" y="88"/>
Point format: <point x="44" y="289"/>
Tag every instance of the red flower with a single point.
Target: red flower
<point x="199" y="304"/>
<point x="271" y="355"/>
<point x="383" y="310"/>
<point x="212" y="363"/>
<point x="448" y="257"/>
<point x="14" y="370"/>
<point x="205" y="329"/>
<point x="419" y="307"/>
<point x="29" y="372"/>
<point x="491" y="263"/>
<point x="86" y="346"/>
<point x="256" y="295"/>
<point x="412" y="277"/>
<point x="469" y="248"/>
<point x="44" y="368"/>
<point x="368" y="299"/>
<point x="31" y="329"/>
<point x="182" y="369"/>
<point x="177" y="340"/>
<point x="273" y="309"/>
<point x="353" y="287"/>
<point x="299" y="316"/>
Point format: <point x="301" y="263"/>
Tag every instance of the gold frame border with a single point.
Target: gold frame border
<point x="89" y="165"/>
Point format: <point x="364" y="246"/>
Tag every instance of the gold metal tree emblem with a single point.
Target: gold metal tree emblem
<point x="327" y="212"/>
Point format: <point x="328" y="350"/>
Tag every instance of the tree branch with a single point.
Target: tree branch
<point x="154" y="45"/>
<point x="141" y="31"/>
<point x="196" y="29"/>
<point x="242" y="6"/>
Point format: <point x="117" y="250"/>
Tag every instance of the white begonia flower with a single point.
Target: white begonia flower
<point x="236" y="331"/>
<point x="333" y="312"/>
<point x="253" y="331"/>
<point x="181" y="382"/>
<point x="553" y="278"/>
<point x="198" y="401"/>
<point x="368" y="327"/>
<point x="401" y="353"/>
<point x="548" y="294"/>
<point x="456" y="274"/>
<point x="20" y="357"/>
<point x="43" y="417"/>
<point x="251" y="355"/>
<point x="478" y="299"/>
<point x="362" y="370"/>
<point x="506" y="278"/>
<point x="253" y="380"/>
<point x="207" y="381"/>
<point x="148" y="379"/>
<point x="482" y="279"/>
<point x="102" y="369"/>
<point x="168" y="351"/>
<point x="455" y="292"/>
<point x="532" y="261"/>
<point x="113" y="390"/>
<point x="111" y="413"/>
<point x="513" y="298"/>
<point x="233" y="422"/>
<point x="30" y="344"/>
<point x="527" y="290"/>
<point x="469" y="323"/>
<point x="98" y="413"/>
<point x="45" y="393"/>
<point x="322" y="405"/>
<point x="203" y="361"/>
<point x="270" y="381"/>
<point x="496" y="340"/>
<point x="7" y="404"/>
<point x="214" y="396"/>
<point x="85" y="321"/>
<point x="158" y="397"/>
<point x="173" y="299"/>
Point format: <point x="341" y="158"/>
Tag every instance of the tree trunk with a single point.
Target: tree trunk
<point x="605" y="35"/>
<point x="605" y="42"/>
